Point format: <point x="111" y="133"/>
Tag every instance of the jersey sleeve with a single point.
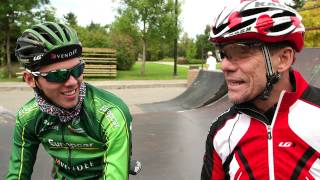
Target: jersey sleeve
<point x="116" y="157"/>
<point x="23" y="152"/>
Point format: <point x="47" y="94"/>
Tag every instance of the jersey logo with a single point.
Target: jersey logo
<point x="286" y="144"/>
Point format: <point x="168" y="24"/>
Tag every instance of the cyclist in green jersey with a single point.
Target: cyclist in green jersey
<point x="84" y="129"/>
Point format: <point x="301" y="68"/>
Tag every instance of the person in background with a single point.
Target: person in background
<point x="85" y="130"/>
<point x="272" y="129"/>
<point x="211" y="62"/>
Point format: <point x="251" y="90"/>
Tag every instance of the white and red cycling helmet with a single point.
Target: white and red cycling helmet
<point x="264" y="20"/>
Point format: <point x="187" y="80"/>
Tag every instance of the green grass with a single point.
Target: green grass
<point x="167" y="59"/>
<point x="153" y="71"/>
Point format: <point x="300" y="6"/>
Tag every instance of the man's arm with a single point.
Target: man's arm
<point x="116" y="157"/>
<point x="23" y="153"/>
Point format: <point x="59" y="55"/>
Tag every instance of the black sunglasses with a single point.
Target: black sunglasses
<point x="61" y="75"/>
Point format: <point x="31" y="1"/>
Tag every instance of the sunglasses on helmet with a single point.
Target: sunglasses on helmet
<point x="236" y="50"/>
<point x="61" y="75"/>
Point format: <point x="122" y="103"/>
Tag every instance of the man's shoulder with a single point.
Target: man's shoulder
<point x="28" y="110"/>
<point x="223" y="118"/>
<point x="312" y="95"/>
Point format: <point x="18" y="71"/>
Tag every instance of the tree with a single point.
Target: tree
<point x="298" y="4"/>
<point x="183" y="45"/>
<point x="94" y="35"/>
<point x="149" y="16"/>
<point x="124" y="35"/>
<point x="12" y="15"/>
<point x="203" y="44"/>
<point x="191" y="50"/>
<point x="71" y="19"/>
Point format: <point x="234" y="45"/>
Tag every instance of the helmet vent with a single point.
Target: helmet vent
<point x="67" y="34"/>
<point x="31" y="36"/>
<point x="48" y="38"/>
<point x="220" y="28"/>
<point x="280" y="27"/>
<point x="242" y="25"/>
<point x="55" y="30"/>
<point x="45" y="35"/>
<point x="283" y="14"/>
<point x="251" y="12"/>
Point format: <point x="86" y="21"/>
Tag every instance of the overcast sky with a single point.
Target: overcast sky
<point x="196" y="14"/>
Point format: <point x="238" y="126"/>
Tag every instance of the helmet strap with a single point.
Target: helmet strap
<point x="272" y="77"/>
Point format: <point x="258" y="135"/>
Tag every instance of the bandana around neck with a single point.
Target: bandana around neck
<point x="63" y="114"/>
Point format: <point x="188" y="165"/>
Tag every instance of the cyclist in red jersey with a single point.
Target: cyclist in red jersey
<point x="272" y="130"/>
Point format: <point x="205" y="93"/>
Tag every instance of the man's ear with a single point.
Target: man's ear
<point x="29" y="78"/>
<point x="285" y="59"/>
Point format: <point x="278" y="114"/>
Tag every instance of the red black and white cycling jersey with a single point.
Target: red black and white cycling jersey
<point x="245" y="144"/>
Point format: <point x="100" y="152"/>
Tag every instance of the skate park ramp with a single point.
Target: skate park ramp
<point x="208" y="87"/>
<point x="308" y="63"/>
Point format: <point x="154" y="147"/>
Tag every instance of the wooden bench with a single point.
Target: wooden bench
<point x="100" y="62"/>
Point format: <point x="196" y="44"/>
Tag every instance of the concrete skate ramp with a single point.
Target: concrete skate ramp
<point x="308" y="63"/>
<point x="208" y="87"/>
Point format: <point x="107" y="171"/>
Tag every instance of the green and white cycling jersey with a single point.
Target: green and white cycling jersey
<point x="96" y="145"/>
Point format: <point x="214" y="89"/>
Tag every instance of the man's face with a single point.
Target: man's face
<point x="65" y="94"/>
<point x="244" y="70"/>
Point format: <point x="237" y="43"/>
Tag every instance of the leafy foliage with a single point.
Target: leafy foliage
<point x="124" y="37"/>
<point x="310" y="20"/>
<point x="155" y="20"/>
<point x="297" y="4"/>
<point x="203" y="44"/>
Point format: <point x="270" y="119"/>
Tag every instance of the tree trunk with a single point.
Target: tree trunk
<point x="144" y="47"/>
<point x="175" y="41"/>
<point x="8" y="53"/>
<point x="2" y="50"/>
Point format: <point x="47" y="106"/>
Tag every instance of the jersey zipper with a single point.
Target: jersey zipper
<point x="269" y="134"/>
<point x="270" y="139"/>
<point x="270" y="152"/>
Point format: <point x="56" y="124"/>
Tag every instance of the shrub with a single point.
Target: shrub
<point x="125" y="58"/>
<point x="126" y="53"/>
<point x="195" y="61"/>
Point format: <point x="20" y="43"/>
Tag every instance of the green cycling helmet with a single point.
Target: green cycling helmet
<point x="47" y="43"/>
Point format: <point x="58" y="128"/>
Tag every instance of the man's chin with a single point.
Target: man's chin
<point x="69" y="105"/>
